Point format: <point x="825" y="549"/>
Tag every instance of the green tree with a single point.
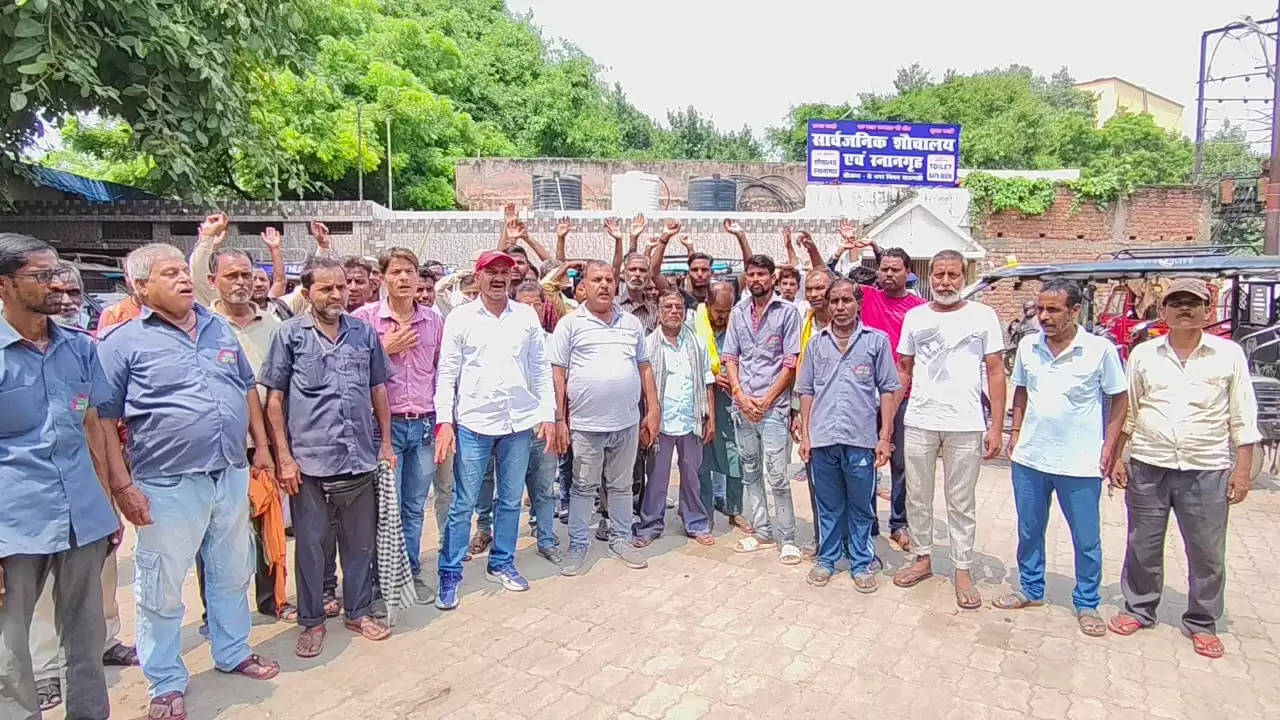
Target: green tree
<point x="693" y="137"/>
<point x="176" y="71"/>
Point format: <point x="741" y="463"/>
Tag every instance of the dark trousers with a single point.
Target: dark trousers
<point x="1198" y="499"/>
<point x="77" y="602"/>
<point x="650" y="520"/>
<point x="264" y="582"/>
<point x="898" y="476"/>
<point x="354" y="508"/>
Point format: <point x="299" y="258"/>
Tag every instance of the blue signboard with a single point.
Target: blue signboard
<point x="883" y="153"/>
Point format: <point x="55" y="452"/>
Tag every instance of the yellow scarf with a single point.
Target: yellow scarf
<point x="806" y="331"/>
<point x="702" y="326"/>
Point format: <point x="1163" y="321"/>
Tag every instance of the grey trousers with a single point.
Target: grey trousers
<point x="77" y="600"/>
<point x="650" y="521"/>
<point x="607" y="457"/>
<point x="1198" y="499"/>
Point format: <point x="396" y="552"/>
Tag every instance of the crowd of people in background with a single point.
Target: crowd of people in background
<point x="215" y="394"/>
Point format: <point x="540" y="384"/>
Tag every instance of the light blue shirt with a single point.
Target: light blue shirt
<point x="677" y="392"/>
<point x="1062" y="429"/>
<point x="184" y="402"/>
<point x="51" y="492"/>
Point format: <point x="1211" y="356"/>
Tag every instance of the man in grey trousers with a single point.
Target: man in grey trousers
<point x="1192" y="424"/>
<point x="56" y="523"/>
<point x="599" y="366"/>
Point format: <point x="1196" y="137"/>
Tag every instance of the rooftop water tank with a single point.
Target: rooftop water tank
<point x="635" y="191"/>
<point x="713" y="194"/>
<point x="557" y="192"/>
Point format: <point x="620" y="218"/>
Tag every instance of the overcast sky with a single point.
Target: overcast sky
<point x="747" y="61"/>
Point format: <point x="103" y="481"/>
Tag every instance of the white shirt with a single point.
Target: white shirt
<point x="1192" y="415"/>
<point x="494" y="377"/>
<point x="949" y="350"/>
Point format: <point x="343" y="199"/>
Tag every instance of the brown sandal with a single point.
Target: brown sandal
<point x="369" y="628"/>
<point x="169" y="706"/>
<point x="255" y="667"/>
<point x="969" y="599"/>
<point x="310" y="642"/>
<point x="743" y="525"/>
<point x="331" y="607"/>
<point x="910" y="576"/>
<point x="1015" y="601"/>
<point x="705" y="539"/>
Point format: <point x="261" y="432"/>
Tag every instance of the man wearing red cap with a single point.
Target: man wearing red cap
<point x="493" y="397"/>
<point x="1192" y="425"/>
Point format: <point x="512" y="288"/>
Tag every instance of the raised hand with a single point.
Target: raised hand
<point x="805" y="239"/>
<point x="611" y="227"/>
<point x="271" y="238"/>
<point x="320" y="232"/>
<point x="849" y="233"/>
<point x="733" y="227"/>
<point x="786" y="235"/>
<point x="669" y="228"/>
<point x="563" y="227"/>
<point x="638" y="224"/>
<point x="686" y="242"/>
<point x="509" y="211"/>
<point x="214" y="228"/>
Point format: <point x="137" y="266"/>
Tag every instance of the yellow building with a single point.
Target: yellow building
<point x="1115" y="94"/>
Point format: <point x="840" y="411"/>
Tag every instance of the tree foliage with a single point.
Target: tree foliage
<point x="178" y="72"/>
<point x="456" y="78"/>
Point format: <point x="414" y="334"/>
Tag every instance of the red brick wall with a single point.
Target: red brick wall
<point x="1152" y="216"/>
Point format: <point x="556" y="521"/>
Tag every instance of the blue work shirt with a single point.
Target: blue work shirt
<point x="763" y="346"/>
<point x="846" y="388"/>
<point x="1062" y="429"/>
<point x="328" y="398"/>
<point x="183" y="402"/>
<point x="51" y="494"/>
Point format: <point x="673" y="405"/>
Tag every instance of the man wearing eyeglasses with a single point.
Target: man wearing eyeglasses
<point x="56" y="523"/>
<point x="1191" y="426"/>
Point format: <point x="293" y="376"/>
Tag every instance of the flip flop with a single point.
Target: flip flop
<point x="255" y="667"/>
<point x="705" y="539"/>
<point x="751" y="543"/>
<point x="169" y="706"/>
<point x="288" y="613"/>
<point x="1091" y="623"/>
<point x="1015" y="600"/>
<point x="310" y="642"/>
<point x="369" y="628"/>
<point x="910" y="577"/>
<point x="1208" y="645"/>
<point x="969" y="599"/>
<point x="1125" y="624"/>
<point x="331" y="607"/>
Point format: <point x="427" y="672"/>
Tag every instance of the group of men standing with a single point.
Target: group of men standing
<point x="207" y="387"/>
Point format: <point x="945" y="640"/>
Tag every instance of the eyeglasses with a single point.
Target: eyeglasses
<point x="44" y="277"/>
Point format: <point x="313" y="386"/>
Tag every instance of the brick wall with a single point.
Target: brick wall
<point x="1152" y="216"/>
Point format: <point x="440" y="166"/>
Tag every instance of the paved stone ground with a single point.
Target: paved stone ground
<point x="706" y="633"/>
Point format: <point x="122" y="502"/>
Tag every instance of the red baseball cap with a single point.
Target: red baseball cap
<point x="493" y="257"/>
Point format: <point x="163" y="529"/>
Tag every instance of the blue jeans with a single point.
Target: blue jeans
<point x="540" y="480"/>
<point x="762" y="450"/>
<point x="1078" y="497"/>
<point x="469" y="463"/>
<point x="205" y="513"/>
<point x="844" y="481"/>
<point x="414" y="446"/>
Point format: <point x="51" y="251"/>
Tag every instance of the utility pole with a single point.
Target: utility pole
<point x="1271" y="236"/>
<point x="360" y="151"/>
<point x="389" y="187"/>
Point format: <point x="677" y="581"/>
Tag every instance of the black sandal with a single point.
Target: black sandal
<point x="49" y="693"/>
<point x="120" y="655"/>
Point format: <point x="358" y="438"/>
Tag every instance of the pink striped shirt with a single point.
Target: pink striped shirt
<point x="412" y="387"/>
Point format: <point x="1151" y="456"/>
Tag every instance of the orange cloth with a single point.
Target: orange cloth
<point x="122" y="312"/>
<point x="264" y="503"/>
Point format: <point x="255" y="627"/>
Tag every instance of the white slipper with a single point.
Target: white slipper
<point x="751" y="543"/>
<point x="791" y="555"/>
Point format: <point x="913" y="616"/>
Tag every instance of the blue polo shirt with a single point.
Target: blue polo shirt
<point x="183" y="401"/>
<point x="51" y="494"/>
<point x="328" y="403"/>
<point x="762" y="346"/>
<point x="1062" y="429"/>
<point x="846" y="387"/>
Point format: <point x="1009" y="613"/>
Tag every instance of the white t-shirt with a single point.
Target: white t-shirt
<point x="949" y="350"/>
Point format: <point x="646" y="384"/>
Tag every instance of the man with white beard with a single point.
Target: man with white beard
<point x="951" y="339"/>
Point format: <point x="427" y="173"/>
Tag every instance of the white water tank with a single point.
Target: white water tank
<point x="635" y="191"/>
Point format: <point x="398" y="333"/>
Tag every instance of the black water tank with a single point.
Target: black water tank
<point x="713" y="194"/>
<point x="557" y="192"/>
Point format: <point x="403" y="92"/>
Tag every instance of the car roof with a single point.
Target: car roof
<point x="1202" y="266"/>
